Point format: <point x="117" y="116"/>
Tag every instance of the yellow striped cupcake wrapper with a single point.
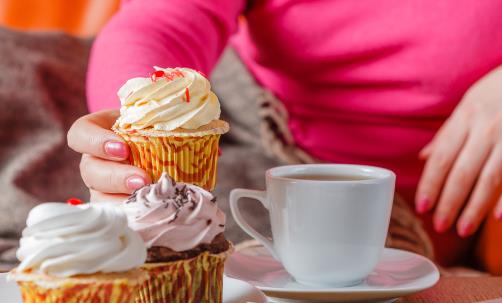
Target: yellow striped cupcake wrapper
<point x="195" y="280"/>
<point x="186" y="159"/>
<point x="116" y="291"/>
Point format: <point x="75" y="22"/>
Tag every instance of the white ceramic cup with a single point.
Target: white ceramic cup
<point x="325" y="233"/>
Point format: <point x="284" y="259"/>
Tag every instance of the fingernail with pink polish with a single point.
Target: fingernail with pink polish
<point x="465" y="229"/>
<point x="135" y="182"/>
<point x="116" y="149"/>
<point x="498" y="215"/>
<point x="422" y="205"/>
<point x="440" y="224"/>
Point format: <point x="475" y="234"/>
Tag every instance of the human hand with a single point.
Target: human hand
<point x="463" y="171"/>
<point x="103" y="167"/>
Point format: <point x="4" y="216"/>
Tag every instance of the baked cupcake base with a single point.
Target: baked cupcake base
<point x="198" y="279"/>
<point x="189" y="156"/>
<point x="96" y="288"/>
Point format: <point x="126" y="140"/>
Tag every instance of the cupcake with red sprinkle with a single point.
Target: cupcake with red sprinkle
<point x="171" y="122"/>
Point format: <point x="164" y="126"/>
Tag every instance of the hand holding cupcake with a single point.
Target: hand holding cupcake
<point x="171" y="123"/>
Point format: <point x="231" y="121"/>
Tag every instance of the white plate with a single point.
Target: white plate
<point x="237" y="291"/>
<point x="398" y="273"/>
<point x="234" y="291"/>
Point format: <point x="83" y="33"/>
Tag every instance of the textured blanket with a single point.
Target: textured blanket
<point x="41" y="94"/>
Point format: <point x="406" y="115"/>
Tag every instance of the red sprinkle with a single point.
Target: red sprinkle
<point x="156" y="74"/>
<point x="169" y="76"/>
<point x="175" y="73"/>
<point x="74" y="201"/>
<point x="178" y="73"/>
<point x="187" y="95"/>
<point x="219" y="152"/>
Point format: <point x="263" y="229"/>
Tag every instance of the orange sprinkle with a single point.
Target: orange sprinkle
<point x="187" y="95"/>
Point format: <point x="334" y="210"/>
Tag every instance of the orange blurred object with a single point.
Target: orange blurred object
<point x="489" y="249"/>
<point x="77" y="17"/>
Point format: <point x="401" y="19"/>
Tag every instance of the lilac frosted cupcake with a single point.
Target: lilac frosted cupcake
<point x="182" y="228"/>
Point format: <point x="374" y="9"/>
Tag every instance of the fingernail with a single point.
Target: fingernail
<point x="498" y="215"/>
<point x="116" y="149"/>
<point x="440" y="224"/>
<point x="422" y="205"/>
<point x="135" y="182"/>
<point x="465" y="229"/>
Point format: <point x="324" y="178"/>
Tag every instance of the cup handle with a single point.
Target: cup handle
<point x="259" y="195"/>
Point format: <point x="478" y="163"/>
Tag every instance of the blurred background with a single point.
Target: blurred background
<point x="43" y="61"/>
<point x="81" y="18"/>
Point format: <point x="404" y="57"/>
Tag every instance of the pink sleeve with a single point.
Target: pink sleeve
<point x="166" y="33"/>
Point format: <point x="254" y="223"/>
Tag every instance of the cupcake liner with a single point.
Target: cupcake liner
<point x="186" y="159"/>
<point x="195" y="280"/>
<point x="74" y="290"/>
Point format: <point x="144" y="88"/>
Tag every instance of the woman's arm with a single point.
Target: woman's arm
<point x="166" y="33"/>
<point x="144" y="33"/>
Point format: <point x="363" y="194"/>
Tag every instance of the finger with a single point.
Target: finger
<point x="498" y="209"/>
<point x="448" y="144"/>
<point x="111" y="177"/>
<point x="426" y="151"/>
<point x="485" y="196"/>
<point x="91" y="134"/>
<point x="460" y="181"/>
<point x="99" y="197"/>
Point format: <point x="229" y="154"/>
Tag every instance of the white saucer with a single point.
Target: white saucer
<point x="237" y="291"/>
<point x="398" y="273"/>
<point x="234" y="291"/>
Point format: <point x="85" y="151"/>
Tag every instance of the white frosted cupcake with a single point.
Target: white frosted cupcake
<point x="84" y="253"/>
<point x="171" y="123"/>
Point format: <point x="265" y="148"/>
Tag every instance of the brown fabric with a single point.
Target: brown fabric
<point x="406" y="230"/>
<point x="243" y="161"/>
<point x="41" y="94"/>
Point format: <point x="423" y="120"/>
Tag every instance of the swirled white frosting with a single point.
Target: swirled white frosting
<point x="175" y="215"/>
<point x="62" y="240"/>
<point x="176" y="98"/>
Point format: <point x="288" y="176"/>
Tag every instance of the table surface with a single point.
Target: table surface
<point x="459" y="290"/>
<point x="449" y="289"/>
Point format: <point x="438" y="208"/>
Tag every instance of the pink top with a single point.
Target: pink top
<point x="364" y="81"/>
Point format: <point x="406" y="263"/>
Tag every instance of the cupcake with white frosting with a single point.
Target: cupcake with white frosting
<point x="84" y="253"/>
<point x="182" y="228"/>
<point x="171" y="122"/>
